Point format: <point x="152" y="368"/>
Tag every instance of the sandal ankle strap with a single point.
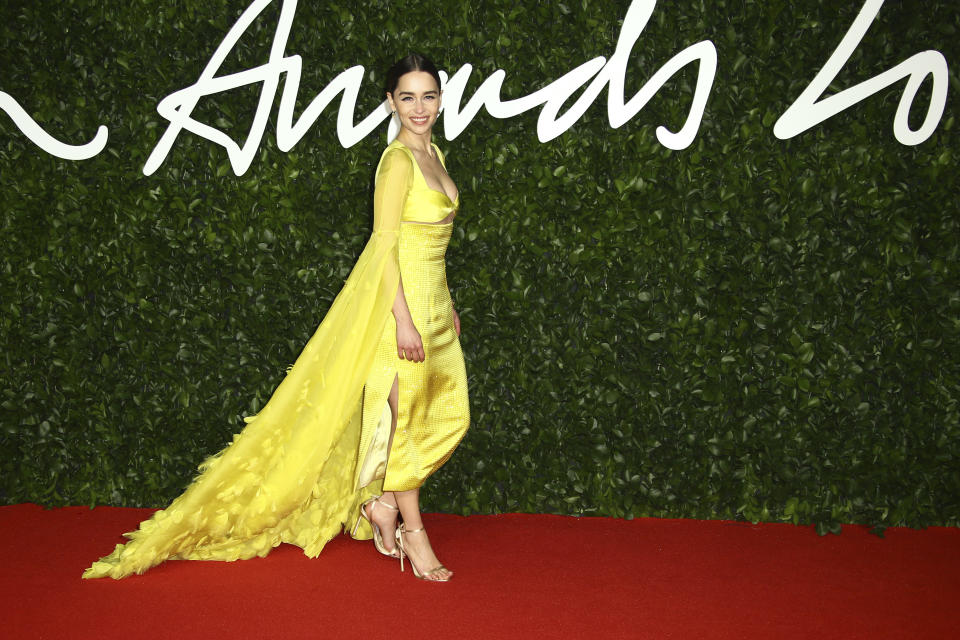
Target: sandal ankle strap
<point x="386" y="504"/>
<point x="405" y="530"/>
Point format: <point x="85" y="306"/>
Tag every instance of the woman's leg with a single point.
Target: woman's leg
<point x="386" y="519"/>
<point x="416" y="543"/>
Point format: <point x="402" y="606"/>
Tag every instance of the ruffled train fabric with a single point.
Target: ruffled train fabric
<point x="290" y="475"/>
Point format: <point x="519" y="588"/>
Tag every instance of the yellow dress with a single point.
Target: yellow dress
<point x="301" y="468"/>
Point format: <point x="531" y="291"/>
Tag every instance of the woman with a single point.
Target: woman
<point x="374" y="404"/>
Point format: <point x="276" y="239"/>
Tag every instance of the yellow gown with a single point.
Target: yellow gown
<point x="300" y="469"/>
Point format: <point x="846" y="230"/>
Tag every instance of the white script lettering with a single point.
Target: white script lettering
<point x="609" y="74"/>
<point x="47" y="142"/>
<point x="178" y="106"/>
<point x="592" y="77"/>
<point x="807" y="111"/>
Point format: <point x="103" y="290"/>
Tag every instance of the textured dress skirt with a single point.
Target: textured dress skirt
<point x="433" y="408"/>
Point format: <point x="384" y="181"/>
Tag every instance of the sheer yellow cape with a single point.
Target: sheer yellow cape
<point x="290" y="475"/>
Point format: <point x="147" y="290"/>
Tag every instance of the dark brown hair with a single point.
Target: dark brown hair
<point x="413" y="62"/>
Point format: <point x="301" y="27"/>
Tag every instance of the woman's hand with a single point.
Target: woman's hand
<point x="409" y="342"/>
<point x="456" y="320"/>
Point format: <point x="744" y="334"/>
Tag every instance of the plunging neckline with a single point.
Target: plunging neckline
<point x="416" y="164"/>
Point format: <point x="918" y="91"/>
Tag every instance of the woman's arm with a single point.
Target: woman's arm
<point x="409" y="342"/>
<point x="393" y="181"/>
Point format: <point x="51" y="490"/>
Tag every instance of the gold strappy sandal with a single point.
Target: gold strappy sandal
<point x="426" y="575"/>
<point x="377" y="537"/>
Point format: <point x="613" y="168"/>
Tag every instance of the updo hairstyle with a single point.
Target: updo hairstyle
<point x="413" y="62"/>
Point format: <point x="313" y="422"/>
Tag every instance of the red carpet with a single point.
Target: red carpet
<point x="517" y="576"/>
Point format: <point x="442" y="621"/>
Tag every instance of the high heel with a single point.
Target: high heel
<point x="377" y="537"/>
<point x="426" y="575"/>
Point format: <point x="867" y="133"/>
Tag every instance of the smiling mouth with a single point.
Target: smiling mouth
<point x="419" y="120"/>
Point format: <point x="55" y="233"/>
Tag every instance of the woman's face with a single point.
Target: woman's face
<point x="416" y="101"/>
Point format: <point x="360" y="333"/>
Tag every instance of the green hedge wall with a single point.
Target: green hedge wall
<point x="749" y="328"/>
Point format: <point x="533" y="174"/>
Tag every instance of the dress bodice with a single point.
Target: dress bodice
<point x="422" y="203"/>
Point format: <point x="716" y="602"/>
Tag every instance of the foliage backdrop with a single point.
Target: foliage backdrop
<point x="748" y="328"/>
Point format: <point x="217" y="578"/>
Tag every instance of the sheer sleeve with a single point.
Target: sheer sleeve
<point x="394" y="177"/>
